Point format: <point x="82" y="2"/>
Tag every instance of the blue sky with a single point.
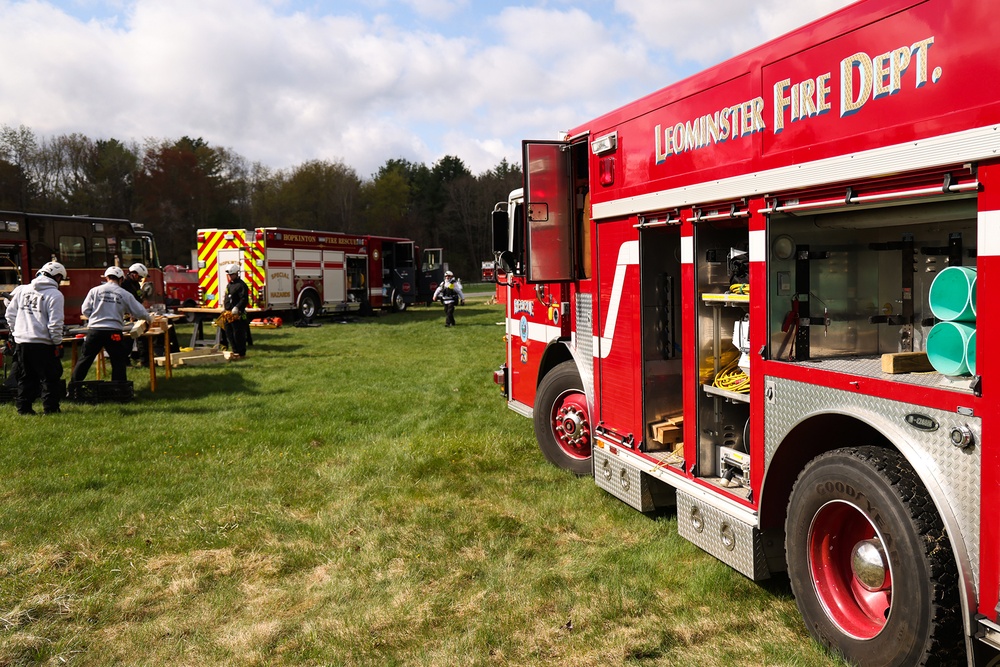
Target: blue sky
<point x="285" y="81"/>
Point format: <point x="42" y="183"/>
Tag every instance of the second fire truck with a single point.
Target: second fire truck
<point x="312" y="272"/>
<point x="86" y="246"/>
<point x="755" y="295"/>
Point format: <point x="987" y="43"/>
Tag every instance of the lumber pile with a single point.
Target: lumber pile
<point x="193" y="358"/>
<point x="669" y="433"/>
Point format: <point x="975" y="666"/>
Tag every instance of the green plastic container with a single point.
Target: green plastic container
<point x="970" y="354"/>
<point x="975" y="282"/>
<point x="953" y="293"/>
<point x="948" y="345"/>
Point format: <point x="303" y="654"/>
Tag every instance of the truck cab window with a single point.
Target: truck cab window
<point x="72" y="252"/>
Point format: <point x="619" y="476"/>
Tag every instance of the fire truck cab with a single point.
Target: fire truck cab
<point x="752" y="295"/>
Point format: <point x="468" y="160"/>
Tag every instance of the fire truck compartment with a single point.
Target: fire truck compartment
<point x="854" y="283"/>
<point x="722" y="279"/>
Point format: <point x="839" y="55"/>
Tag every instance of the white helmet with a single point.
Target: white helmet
<point x="53" y="270"/>
<point x="140" y="269"/>
<point x="114" y="272"/>
<point x="449" y="274"/>
<point x="233" y="269"/>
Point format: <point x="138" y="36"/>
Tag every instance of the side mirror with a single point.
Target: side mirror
<point x="500" y="237"/>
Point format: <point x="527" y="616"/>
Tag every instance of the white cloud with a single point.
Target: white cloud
<point x="708" y="32"/>
<point x="436" y="9"/>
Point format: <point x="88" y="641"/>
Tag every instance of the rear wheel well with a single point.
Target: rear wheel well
<point x="809" y="439"/>
<point x="309" y="303"/>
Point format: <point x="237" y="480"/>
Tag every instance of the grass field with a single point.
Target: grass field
<point x="351" y="494"/>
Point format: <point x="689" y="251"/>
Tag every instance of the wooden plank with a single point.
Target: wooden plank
<point x="177" y="358"/>
<point x="906" y="362"/>
<point x="204" y="359"/>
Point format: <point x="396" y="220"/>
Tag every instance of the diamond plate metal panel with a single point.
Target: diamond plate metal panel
<point x="733" y="542"/>
<point x="622" y="480"/>
<point x="585" y="340"/>
<point x="950" y="474"/>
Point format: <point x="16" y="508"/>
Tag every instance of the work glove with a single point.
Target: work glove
<point x="235" y="311"/>
<point x="59" y="351"/>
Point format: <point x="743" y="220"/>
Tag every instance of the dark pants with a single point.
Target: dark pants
<point x="449" y="314"/>
<point x="39" y="371"/>
<point x="118" y="347"/>
<point x="236" y="334"/>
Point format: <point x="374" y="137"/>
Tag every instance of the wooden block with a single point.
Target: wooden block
<point x="204" y="359"/>
<point x="906" y="362"/>
<point x="668" y="432"/>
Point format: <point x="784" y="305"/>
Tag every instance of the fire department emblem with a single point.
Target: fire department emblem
<point x="524" y="328"/>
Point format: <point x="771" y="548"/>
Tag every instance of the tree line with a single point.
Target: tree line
<point x="175" y="187"/>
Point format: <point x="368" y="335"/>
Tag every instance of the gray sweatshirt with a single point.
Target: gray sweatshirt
<point x="35" y="312"/>
<point x="106" y="305"/>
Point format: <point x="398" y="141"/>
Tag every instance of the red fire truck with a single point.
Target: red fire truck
<point x="715" y="294"/>
<point x="85" y="246"/>
<point x="311" y="272"/>
<point x="180" y="287"/>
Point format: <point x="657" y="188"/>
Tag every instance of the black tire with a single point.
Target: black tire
<point x="308" y="306"/>
<point x="870" y="498"/>
<point x="189" y="317"/>
<point x="398" y="303"/>
<point x="562" y="420"/>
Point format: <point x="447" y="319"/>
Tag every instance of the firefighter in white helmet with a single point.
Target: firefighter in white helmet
<point x="132" y="283"/>
<point x="236" y="301"/>
<point x="449" y="292"/>
<point x="138" y="284"/>
<point x="105" y="307"/>
<point x="35" y="317"/>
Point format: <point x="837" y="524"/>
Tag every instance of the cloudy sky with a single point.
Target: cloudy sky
<point x="285" y="81"/>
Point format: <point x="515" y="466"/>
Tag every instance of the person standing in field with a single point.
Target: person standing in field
<point x="105" y="307"/>
<point x="449" y="293"/>
<point x="137" y="284"/>
<point x="35" y="317"/>
<point x="132" y="282"/>
<point x="236" y="301"/>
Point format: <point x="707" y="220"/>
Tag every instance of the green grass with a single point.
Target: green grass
<point x="351" y="494"/>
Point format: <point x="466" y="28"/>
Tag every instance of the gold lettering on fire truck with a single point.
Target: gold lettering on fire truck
<point x="863" y="80"/>
<point x="883" y="74"/>
<point x="732" y="122"/>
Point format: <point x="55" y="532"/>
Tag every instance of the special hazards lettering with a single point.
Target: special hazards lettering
<point x="863" y="80"/>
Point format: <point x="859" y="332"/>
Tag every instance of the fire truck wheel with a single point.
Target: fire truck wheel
<point x="189" y="317"/>
<point x="398" y="304"/>
<point x="562" y="419"/>
<point x="308" y="306"/>
<point x="870" y="563"/>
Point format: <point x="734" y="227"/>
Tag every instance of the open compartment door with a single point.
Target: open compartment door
<point x="549" y="204"/>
